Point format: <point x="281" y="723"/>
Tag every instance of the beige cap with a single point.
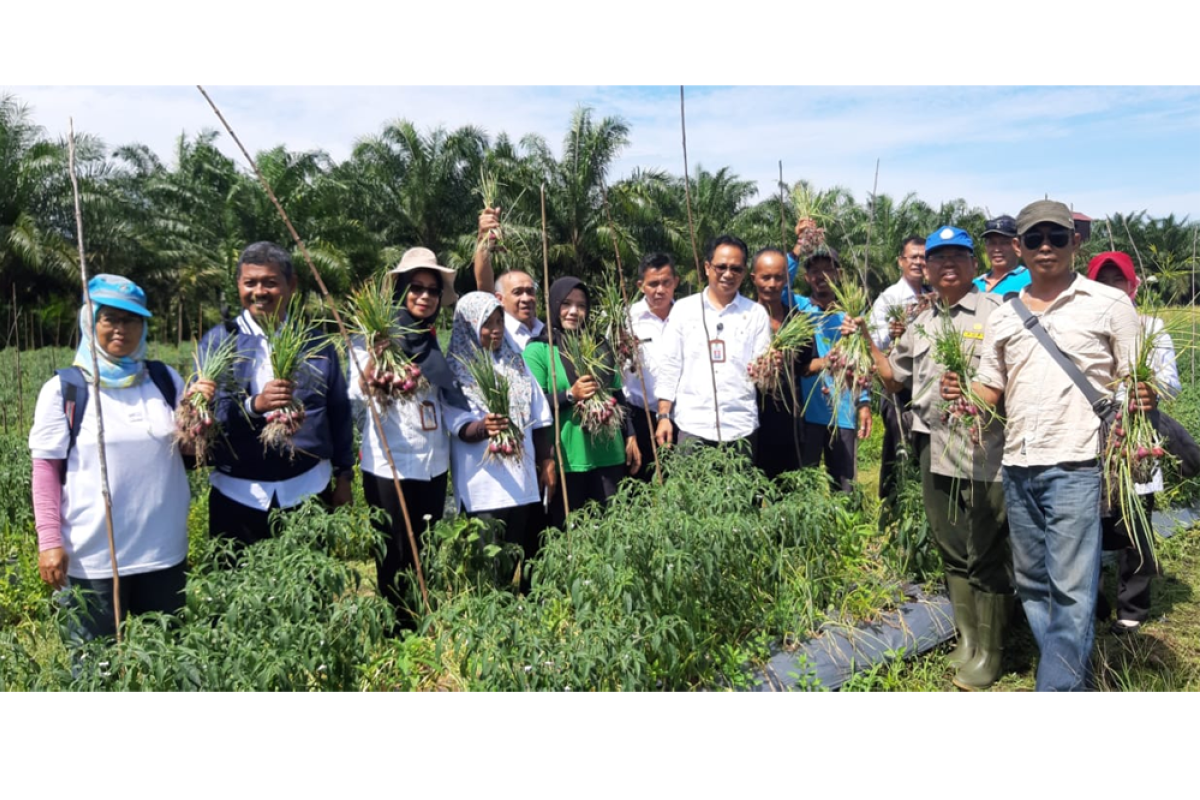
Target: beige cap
<point x="424" y="258"/>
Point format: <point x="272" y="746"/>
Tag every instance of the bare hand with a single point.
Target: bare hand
<point x="633" y="456"/>
<point x="52" y="565"/>
<point x="548" y="476"/>
<point x="489" y="226"/>
<point x="663" y="432"/>
<point x="206" y="388"/>
<point x="342" y="494"/>
<point x="864" y="422"/>
<point x="850" y="325"/>
<point x="1147" y="398"/>
<point x="951" y="391"/>
<point x="896" y="329"/>
<point x="496" y="424"/>
<point x="584" y="388"/>
<point x="275" y="395"/>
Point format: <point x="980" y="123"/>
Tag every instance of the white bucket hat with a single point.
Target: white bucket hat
<point x="424" y="258"/>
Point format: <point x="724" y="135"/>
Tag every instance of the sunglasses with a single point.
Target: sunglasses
<point x="1058" y="238"/>
<point x="417" y="290"/>
<point x="732" y="268"/>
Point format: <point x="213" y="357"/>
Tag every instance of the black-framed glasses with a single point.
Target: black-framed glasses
<point x="1059" y="238"/>
<point x="735" y="269"/>
<point x="417" y="290"/>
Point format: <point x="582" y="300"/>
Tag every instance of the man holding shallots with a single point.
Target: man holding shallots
<point x="959" y="454"/>
<point x="1052" y="474"/>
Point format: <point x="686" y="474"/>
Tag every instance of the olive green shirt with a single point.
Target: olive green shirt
<point x="953" y="454"/>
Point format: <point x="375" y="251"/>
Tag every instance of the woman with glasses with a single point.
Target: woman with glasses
<point x="593" y="461"/>
<point x="416" y="429"/>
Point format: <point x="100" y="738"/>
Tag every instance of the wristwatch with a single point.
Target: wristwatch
<point x="660" y="416"/>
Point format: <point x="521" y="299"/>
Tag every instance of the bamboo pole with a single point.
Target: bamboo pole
<point x="20" y="380"/>
<point x="866" y="268"/>
<point x="562" y="474"/>
<point x="789" y="372"/>
<point x="687" y="196"/>
<point x="328" y="300"/>
<point x="1192" y="306"/>
<point x="91" y="323"/>
<point x="783" y="226"/>
<point x="637" y="350"/>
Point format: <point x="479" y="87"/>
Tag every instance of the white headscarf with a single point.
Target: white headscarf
<point x="472" y="311"/>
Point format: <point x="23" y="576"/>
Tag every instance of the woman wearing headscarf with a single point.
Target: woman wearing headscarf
<point x="416" y="428"/>
<point x="146" y="477"/>
<point x="1134" y="571"/>
<point x="489" y="487"/>
<point x="593" y="463"/>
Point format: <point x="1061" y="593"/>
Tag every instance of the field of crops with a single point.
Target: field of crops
<point x="690" y="585"/>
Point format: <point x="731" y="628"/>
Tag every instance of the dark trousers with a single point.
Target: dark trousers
<point x="596" y="484"/>
<point x="1133" y="571"/>
<point x="969" y="522"/>
<point x="158" y="591"/>
<point x="746" y="446"/>
<point x="780" y="436"/>
<point x="645" y="435"/>
<point x="839" y="448"/>
<point x="394" y="561"/>
<point x="894" y="419"/>
<point x="511" y="525"/>
<point x="230" y="519"/>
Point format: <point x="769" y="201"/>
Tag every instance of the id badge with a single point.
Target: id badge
<point x="716" y="350"/>
<point x="429" y="421"/>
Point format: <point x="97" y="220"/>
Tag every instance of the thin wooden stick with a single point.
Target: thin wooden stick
<point x="91" y="323"/>
<point x="687" y="196"/>
<point x="866" y="268"/>
<point x="1192" y="305"/>
<point x="328" y="300"/>
<point x="1133" y="244"/>
<point x="20" y="380"/>
<point x="562" y="473"/>
<point x="637" y="350"/>
<point x="783" y="227"/>
<point x="790" y="373"/>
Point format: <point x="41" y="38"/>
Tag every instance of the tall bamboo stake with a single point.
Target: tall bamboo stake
<point x="866" y="268"/>
<point x="562" y="474"/>
<point x="637" y="351"/>
<point x="91" y="323"/>
<point x="687" y="196"/>
<point x="1192" y="306"/>
<point x="328" y="300"/>
<point x="783" y="226"/>
<point x="789" y="372"/>
<point x="1133" y="244"/>
<point x="20" y="380"/>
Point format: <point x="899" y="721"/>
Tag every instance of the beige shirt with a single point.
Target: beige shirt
<point x="952" y="453"/>
<point x="1049" y="420"/>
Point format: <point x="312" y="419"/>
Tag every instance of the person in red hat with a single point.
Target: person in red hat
<point x="1129" y="537"/>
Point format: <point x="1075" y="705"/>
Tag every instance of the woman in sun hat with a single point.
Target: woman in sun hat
<point x="415" y="427"/>
<point x="146" y="478"/>
<point x="1134" y="570"/>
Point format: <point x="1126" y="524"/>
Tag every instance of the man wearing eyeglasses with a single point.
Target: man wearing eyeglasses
<point x="712" y="337"/>
<point x="515" y="289"/>
<point x="1007" y="274"/>
<point x="1051" y="469"/>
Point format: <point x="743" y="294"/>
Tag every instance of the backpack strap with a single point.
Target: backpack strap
<point x="75" y="400"/>
<point x="162" y="379"/>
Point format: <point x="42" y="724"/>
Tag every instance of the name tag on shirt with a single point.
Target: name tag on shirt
<point x="429" y="421"/>
<point x="973" y="335"/>
<point x="716" y="350"/>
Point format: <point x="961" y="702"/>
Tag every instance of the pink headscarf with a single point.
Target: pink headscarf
<point x="1122" y="262"/>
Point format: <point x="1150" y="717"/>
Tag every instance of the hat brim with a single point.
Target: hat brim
<point x="124" y="305"/>
<point x="939" y="245"/>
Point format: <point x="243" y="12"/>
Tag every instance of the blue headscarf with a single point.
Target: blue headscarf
<point x="115" y="373"/>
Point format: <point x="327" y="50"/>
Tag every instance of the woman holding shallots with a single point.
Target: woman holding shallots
<point x="502" y="451"/>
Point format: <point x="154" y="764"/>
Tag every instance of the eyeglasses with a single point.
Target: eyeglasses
<point x="735" y="269"/>
<point x="417" y="290"/>
<point x="1059" y="238"/>
<point x="949" y="254"/>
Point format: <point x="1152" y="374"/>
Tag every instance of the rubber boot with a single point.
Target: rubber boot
<point x="983" y="670"/>
<point x="962" y="598"/>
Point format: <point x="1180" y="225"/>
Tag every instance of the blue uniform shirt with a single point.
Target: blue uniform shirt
<point x="1014" y="281"/>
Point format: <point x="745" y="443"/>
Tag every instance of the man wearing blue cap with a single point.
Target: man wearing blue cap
<point x="1007" y="273"/>
<point x="960" y="468"/>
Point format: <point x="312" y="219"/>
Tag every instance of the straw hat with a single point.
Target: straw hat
<point x="423" y="258"/>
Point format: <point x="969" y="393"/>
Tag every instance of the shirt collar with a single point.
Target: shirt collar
<point x="734" y="305"/>
<point x="249" y="325"/>
<point x="641" y="310"/>
<point x="514" y="326"/>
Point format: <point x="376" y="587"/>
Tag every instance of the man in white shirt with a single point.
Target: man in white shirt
<point x="902" y="294"/>
<point x="657" y="281"/>
<point x="712" y="337"/>
<point x="516" y="290"/>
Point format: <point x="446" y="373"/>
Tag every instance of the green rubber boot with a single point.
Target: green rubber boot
<point x="983" y="670"/>
<point x="962" y="598"/>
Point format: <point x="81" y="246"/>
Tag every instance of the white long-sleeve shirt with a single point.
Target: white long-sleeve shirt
<point x="743" y="331"/>
<point x="649" y="328"/>
<point x="899" y="293"/>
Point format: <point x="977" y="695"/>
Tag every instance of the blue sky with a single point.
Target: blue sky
<point x="1101" y="149"/>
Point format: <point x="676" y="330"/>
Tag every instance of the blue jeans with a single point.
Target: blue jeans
<point x="1054" y="526"/>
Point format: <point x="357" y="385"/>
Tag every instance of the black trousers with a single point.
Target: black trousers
<point x="839" y="448"/>
<point x="780" y="436"/>
<point x="645" y="434"/>
<point x="158" y="591"/>
<point x="230" y="519"/>
<point x="511" y="525"/>
<point x="1133" y="571"/>
<point x="395" y="560"/>
<point x="893" y="417"/>
<point x="582" y="487"/>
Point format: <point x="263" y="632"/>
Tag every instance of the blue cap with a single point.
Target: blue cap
<point x="948" y="236"/>
<point x="117" y="292"/>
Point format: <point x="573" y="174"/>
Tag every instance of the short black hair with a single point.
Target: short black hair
<point x="656" y="261"/>
<point x="267" y="254"/>
<point x="763" y="252"/>
<point x="721" y="241"/>
<point x="917" y="240"/>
